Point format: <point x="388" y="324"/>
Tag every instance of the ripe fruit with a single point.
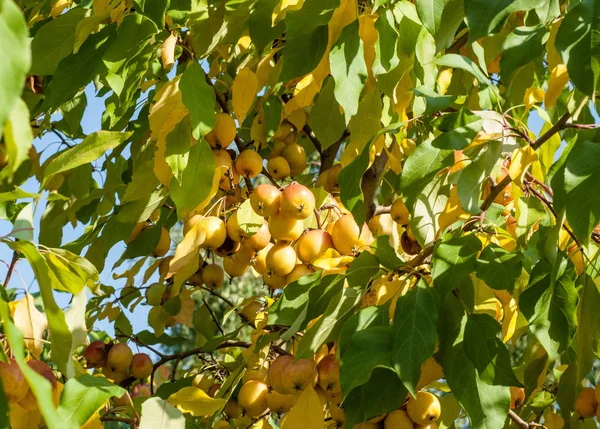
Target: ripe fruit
<point x="297" y="201"/>
<point x="119" y="358"/>
<point x="259" y="373"/>
<point x="424" y="408"/>
<point x="203" y="381"/>
<point x="259" y="239"/>
<point x="141" y="366"/>
<point x="213" y="276"/>
<point x="348" y="238"/>
<point x="278" y="167"/>
<point x="95" y="354"/>
<point x="397" y="419"/>
<point x="249" y="164"/>
<point x="164" y="243"/>
<point x="337" y="412"/>
<point x="517" y="397"/>
<point x="121" y="401"/>
<point x="299" y="270"/>
<point x="233" y="410"/>
<point x="312" y="244"/>
<point x="213" y="390"/>
<point x="279" y="403"/>
<point x="586" y="403"/>
<point x="329" y="374"/>
<point x="399" y="212"/>
<point x="237" y="264"/>
<point x="141" y="390"/>
<point x="274" y="375"/>
<point x="223" y="132"/>
<point x="259" y="261"/>
<point x="215" y="230"/>
<point x="265" y="200"/>
<point x="233" y="229"/>
<point x="252" y="397"/>
<point x="154" y="295"/>
<point x="29" y="402"/>
<point x="227" y="248"/>
<point x="297" y="376"/>
<point x="115" y="376"/>
<point x="295" y="155"/>
<point x="13" y="381"/>
<point x="409" y="245"/>
<point x="285" y="228"/>
<point x="366" y="425"/>
<point x="281" y="259"/>
<point x="273" y="281"/>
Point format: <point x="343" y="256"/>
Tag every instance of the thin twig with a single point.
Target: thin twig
<point x="11" y="268"/>
<point x="522" y="424"/>
<point x="313" y="138"/>
<point x="559" y="125"/>
<point x="214" y="317"/>
<point x="382" y="210"/>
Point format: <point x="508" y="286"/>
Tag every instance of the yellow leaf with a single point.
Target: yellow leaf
<point x="93" y="422"/>
<point x="485" y="300"/>
<point x="559" y="77"/>
<point x="264" y="67"/>
<point x="59" y="6"/>
<point x="522" y="158"/>
<point x="167" y="52"/>
<point x="328" y="260"/>
<point x="297" y="118"/>
<point x="511" y="313"/>
<point x="443" y="79"/>
<point x="243" y="92"/>
<point x="282" y="7"/>
<point x="368" y="35"/>
<point x="31" y="322"/>
<point x="553" y="420"/>
<point x="262" y="424"/>
<point x="195" y="401"/>
<point x="343" y="15"/>
<point x="23" y="419"/>
<point x="186" y="315"/>
<point x="533" y="96"/>
<point x="307" y="412"/>
<point x="403" y="94"/>
<point x="187" y="251"/>
<point x="553" y="56"/>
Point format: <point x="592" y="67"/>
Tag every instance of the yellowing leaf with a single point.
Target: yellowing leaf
<point x="368" y="35"/>
<point x="167" y="52"/>
<point x="553" y="420"/>
<point x="23" y="419"/>
<point x="281" y="9"/>
<point x="264" y="67"/>
<point x="243" y="92"/>
<point x="195" y="401"/>
<point x="93" y="422"/>
<point x="403" y="94"/>
<point x="554" y="58"/>
<point x="522" y="158"/>
<point x="443" y="79"/>
<point x="533" y="96"/>
<point x="30" y="321"/>
<point x="343" y="15"/>
<point x="187" y="251"/>
<point x="485" y="300"/>
<point x="307" y="412"/>
<point x="328" y="260"/>
<point x="188" y="306"/>
<point x="559" y="77"/>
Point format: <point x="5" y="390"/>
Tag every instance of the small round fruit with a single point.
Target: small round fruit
<point x="329" y="374"/>
<point x="189" y="223"/>
<point x="259" y="373"/>
<point x="347" y="237"/>
<point x="423" y="409"/>
<point x="164" y="243"/>
<point x="259" y="262"/>
<point x="203" y="381"/>
<point x="399" y="212"/>
<point x="141" y="390"/>
<point x="313" y="244"/>
<point x="517" y="397"/>
<point x="299" y="271"/>
<point x="237" y="264"/>
<point x="233" y="410"/>
<point x="279" y="403"/>
<point x="13" y="381"/>
<point x="336" y="411"/>
<point x="281" y="259"/>
<point x="278" y="167"/>
<point x="119" y="358"/>
<point x="299" y="375"/>
<point x="273" y="281"/>
<point x="141" y="366"/>
<point x="215" y="230"/>
<point x="265" y="199"/>
<point x="297" y="201"/>
<point x="295" y="155"/>
<point x="95" y="354"/>
<point x="397" y="419"/>
<point x="285" y="228"/>
<point x="409" y="245"/>
<point x="115" y="376"/>
<point x="259" y="239"/>
<point x="275" y="373"/>
<point x="213" y="276"/>
<point x="121" y="401"/>
<point x="223" y="132"/>
<point x="252" y="397"/>
<point x="249" y="164"/>
<point x="232" y="226"/>
<point x="154" y="295"/>
<point x="586" y="403"/>
<point x="228" y="247"/>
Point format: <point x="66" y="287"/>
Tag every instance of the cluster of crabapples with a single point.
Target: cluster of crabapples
<point x="118" y="362"/>
<point x="17" y="389"/>
<point x="586" y="403"/>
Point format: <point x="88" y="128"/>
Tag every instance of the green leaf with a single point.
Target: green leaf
<point x="420" y="168"/>
<point x="177" y="154"/>
<point x="248" y="220"/>
<point x="90" y="149"/>
<point x="576" y="41"/>
<point x="461" y="62"/>
<point x="485" y="18"/>
<point x="139" y="210"/>
<point x="23" y="224"/>
<point x="361" y="270"/>
<point x="143" y="181"/>
<point x="453" y="262"/>
<point x="414" y="332"/>
<point x="159" y="414"/>
<point x="272" y="108"/>
<point x="326" y="118"/>
<point x="581" y="175"/>
<point x="197" y="178"/>
<point x="431" y="202"/>
<point x="83" y="396"/>
<point x="530" y="210"/>
<point x="59" y="331"/>
<point x="350" y="180"/>
<point x="154" y="9"/>
<point x="72" y="272"/>
<point x="132" y="36"/>
<point x="386" y="46"/>
<point x="385" y="253"/>
<point x="199" y="98"/>
<point x="367" y="121"/>
<point x="294" y="298"/>
<point x="458" y="130"/>
<point x="361" y="320"/>
<point x="550" y="305"/>
<point x="434" y="102"/>
<point x="441" y="18"/>
<point x="348" y="68"/>
<point x="499" y="268"/>
<point x="16" y="57"/>
<point x="522" y="46"/>
<point x="487" y="352"/>
<point x="259" y="24"/>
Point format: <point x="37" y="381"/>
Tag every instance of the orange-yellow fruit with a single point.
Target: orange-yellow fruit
<point x="213" y="390"/>
<point x="298" y="375"/>
<point x="399" y="212"/>
<point x="223" y="132"/>
<point x="227" y="248"/>
<point x="141" y="366"/>
<point x="141" y="390"/>
<point x="213" y="276"/>
<point x="432" y="425"/>
<point x="598" y="392"/>
<point x="252" y="397"/>
<point x="164" y="243"/>
<point x="189" y="222"/>
<point x="115" y="376"/>
<point x="281" y="259"/>
<point x="13" y="381"/>
<point x="278" y="167"/>
<point x="121" y="401"/>
<point x="279" y="403"/>
<point x="517" y="397"/>
<point x="274" y="375"/>
<point x="329" y="374"/>
<point x="397" y="419"/>
<point x="348" y="238"/>
<point x="203" y="381"/>
<point x="232" y="226"/>
<point x="285" y="228"/>
<point x="299" y="270"/>
<point x="95" y="354"/>
<point x="265" y="199"/>
<point x="274" y="281"/>
<point x="258" y="240"/>
<point x="424" y="408"/>
<point x="215" y="231"/>
<point x="259" y="262"/>
<point x="337" y="412"/>
<point x="367" y="425"/>
<point x="297" y="201"/>
<point x="233" y="410"/>
<point x="278" y="147"/>
<point x="295" y="155"/>
<point x="29" y="401"/>
<point x="312" y="244"/>
<point x="586" y="403"/>
<point x="237" y="264"/>
<point x="259" y="373"/>
<point x="119" y="358"/>
<point x="249" y="164"/>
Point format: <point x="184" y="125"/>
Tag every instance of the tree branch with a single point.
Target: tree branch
<point x="558" y="126"/>
<point x="496" y="190"/>
<point x="522" y="424"/>
<point x="313" y="138"/>
<point x="11" y="268"/>
<point x="370" y="183"/>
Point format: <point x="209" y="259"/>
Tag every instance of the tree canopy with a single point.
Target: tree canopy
<point x="322" y="213"/>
